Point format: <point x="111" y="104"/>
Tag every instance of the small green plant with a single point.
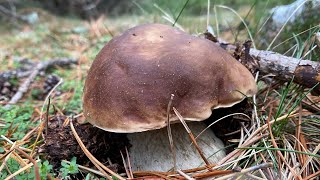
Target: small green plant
<point x="12" y="167"/>
<point x="45" y="169"/>
<point x="17" y="121"/>
<point x="68" y="169"/>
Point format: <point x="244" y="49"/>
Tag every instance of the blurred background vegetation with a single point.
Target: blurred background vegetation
<point x="94" y="8"/>
<point x="121" y="14"/>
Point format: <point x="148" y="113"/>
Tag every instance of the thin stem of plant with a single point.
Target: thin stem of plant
<point x="36" y="168"/>
<point x="208" y="14"/>
<point x="242" y="20"/>
<point x="97" y="163"/>
<point x="185" y="175"/>
<point x="129" y="162"/>
<point x="20" y="170"/>
<point x="191" y="136"/>
<point x="233" y="114"/>
<point x="86" y="169"/>
<point x="125" y="166"/>
<point x="173" y="151"/>
<point x="276" y="146"/>
<point x="281" y="29"/>
<point x="243" y="171"/>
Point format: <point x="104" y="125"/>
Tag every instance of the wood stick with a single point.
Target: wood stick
<point x="18" y="73"/>
<point x="26" y="84"/>
<point x="304" y="72"/>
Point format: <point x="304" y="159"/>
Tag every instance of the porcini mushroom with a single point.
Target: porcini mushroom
<point x="129" y="84"/>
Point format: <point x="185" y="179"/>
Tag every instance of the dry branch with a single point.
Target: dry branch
<point x="20" y="73"/>
<point x="304" y="72"/>
<point x="33" y="74"/>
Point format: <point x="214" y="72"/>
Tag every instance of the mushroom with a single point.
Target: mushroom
<point x="129" y="84"/>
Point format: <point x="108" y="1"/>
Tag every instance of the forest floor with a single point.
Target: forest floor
<point x="280" y="139"/>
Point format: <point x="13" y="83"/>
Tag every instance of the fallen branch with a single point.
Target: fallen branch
<point x="20" y="73"/>
<point x="39" y="67"/>
<point x="304" y="72"/>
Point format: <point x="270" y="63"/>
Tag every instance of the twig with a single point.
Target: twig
<point x="212" y="174"/>
<point x="268" y="169"/>
<point x="173" y="151"/>
<point x="40" y="66"/>
<point x="254" y="168"/>
<point x="251" y="176"/>
<point x="23" y="87"/>
<point x="88" y="154"/>
<point x="276" y="146"/>
<point x="304" y="72"/>
<point x="47" y="117"/>
<point x="302" y="143"/>
<point x="10" y="142"/>
<point x="36" y="168"/>
<point x="248" y="142"/>
<point x="97" y="163"/>
<point x="185" y="175"/>
<point x="199" y="168"/>
<point x="6" y="156"/>
<point x="87" y="169"/>
<point x="129" y="162"/>
<point x="169" y="175"/>
<point x="233" y="114"/>
<point x="193" y="170"/>
<point x="45" y="65"/>
<point x="44" y="124"/>
<point x="148" y="173"/>
<point x="310" y="159"/>
<point x="316" y="174"/>
<point x="191" y="136"/>
<point x="125" y="166"/>
<point x="20" y="170"/>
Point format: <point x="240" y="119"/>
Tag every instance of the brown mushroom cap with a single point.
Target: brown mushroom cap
<point x="129" y="84"/>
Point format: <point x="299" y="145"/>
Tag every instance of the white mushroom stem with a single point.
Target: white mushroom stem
<point x="151" y="151"/>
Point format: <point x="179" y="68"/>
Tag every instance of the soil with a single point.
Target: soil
<point x="60" y="144"/>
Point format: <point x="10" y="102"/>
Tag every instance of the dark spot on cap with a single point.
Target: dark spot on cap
<point x="161" y="36"/>
<point x="134" y="34"/>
